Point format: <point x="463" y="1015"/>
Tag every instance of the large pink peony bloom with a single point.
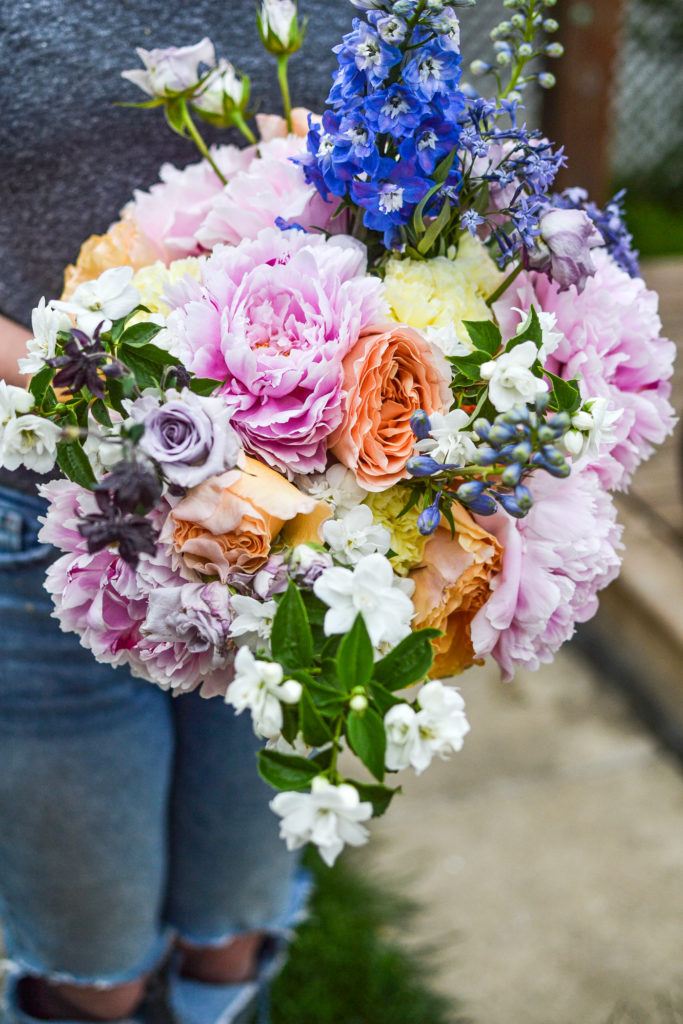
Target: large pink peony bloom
<point x="171" y="213"/>
<point x="106" y="602"/>
<point x="555" y="561"/>
<point x="613" y="343"/>
<point x="274" y="318"/>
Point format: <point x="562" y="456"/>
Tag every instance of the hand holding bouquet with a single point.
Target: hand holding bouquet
<point x="339" y="412"/>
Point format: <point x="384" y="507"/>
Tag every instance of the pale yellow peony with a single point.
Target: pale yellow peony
<point x="441" y="292"/>
<point x="406" y="540"/>
<point x="150" y="281"/>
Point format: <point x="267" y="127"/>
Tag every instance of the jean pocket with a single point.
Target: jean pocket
<point x="19" y="527"/>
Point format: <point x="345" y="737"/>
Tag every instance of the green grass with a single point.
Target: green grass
<point x="344" y="969"/>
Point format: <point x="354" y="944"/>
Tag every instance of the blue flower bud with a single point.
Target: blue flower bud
<point x="541" y="402"/>
<point x="501" y="433"/>
<point x="546" y="434"/>
<point x="522" y="451"/>
<point x="552" y="455"/>
<point x="560" y="423"/>
<point x="523" y="497"/>
<point x="509" y="503"/>
<point x="482" y="506"/>
<point x="482" y="427"/>
<point x="420" y="425"/>
<point x="485" y="455"/>
<point x="518" y="414"/>
<point x="429" y="519"/>
<point x="470" y="491"/>
<point x="423" y="465"/>
<point x="511" y="475"/>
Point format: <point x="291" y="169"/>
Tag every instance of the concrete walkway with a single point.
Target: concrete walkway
<point x="547" y="856"/>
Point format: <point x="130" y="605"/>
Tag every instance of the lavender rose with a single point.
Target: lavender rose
<point x="189" y="436"/>
<point x="563" y="248"/>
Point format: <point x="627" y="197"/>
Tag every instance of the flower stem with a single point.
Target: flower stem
<point x="199" y="143"/>
<point x="504" y="285"/>
<point x="284" y="89"/>
<point x="243" y="127"/>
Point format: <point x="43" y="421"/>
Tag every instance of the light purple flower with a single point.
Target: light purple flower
<point x="563" y="248"/>
<point x="171" y="70"/>
<point x="189" y="435"/>
<point x="612" y="342"/>
<point x="555" y="562"/>
<point x="274" y="318"/>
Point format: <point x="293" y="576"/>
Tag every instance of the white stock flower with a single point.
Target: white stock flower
<point x="102" y="448"/>
<point x="260" y="687"/>
<point x="171" y="70"/>
<point x="45" y="323"/>
<point x="14" y="401"/>
<point x="29" y="441"/>
<point x="372" y="589"/>
<point x="253" y="620"/>
<point x="550" y="338"/>
<point x="447" y="441"/>
<point x="593" y="426"/>
<point x="437" y="728"/>
<point x="329" y="816"/>
<point x="337" y="486"/>
<point x="355" y="535"/>
<point x="110" y="297"/>
<point x="511" y="381"/>
<point x="447" y="340"/>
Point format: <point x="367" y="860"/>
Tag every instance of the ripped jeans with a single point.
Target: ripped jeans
<point x="127" y="817"/>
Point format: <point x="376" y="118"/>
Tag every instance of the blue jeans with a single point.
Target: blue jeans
<point x="126" y="816"/>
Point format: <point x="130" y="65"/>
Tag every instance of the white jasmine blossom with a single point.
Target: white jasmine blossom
<point x="14" y="401"/>
<point x="253" y="620"/>
<point x="371" y="589"/>
<point x="29" y="441"/>
<point x="511" y="381"/>
<point x="593" y="426"/>
<point x="447" y="340"/>
<point x="171" y="70"/>
<point x="46" y="322"/>
<point x="280" y="744"/>
<point x="355" y="535"/>
<point x="108" y="298"/>
<point x="550" y="337"/>
<point x="329" y="816"/>
<point x="448" y="441"/>
<point x="260" y="687"/>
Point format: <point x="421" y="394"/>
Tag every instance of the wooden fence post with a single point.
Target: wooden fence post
<point x="577" y="112"/>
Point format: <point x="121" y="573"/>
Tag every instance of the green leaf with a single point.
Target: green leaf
<point x="565" y="393"/>
<point x="409" y="662"/>
<point x="486" y="337"/>
<point x="100" y="413"/>
<point x="355" y="656"/>
<point x="74" y="463"/>
<point x="140" y="334"/>
<point x="313" y="725"/>
<point x="291" y="639"/>
<point x="175" y="115"/>
<point x="379" y="796"/>
<point x="435" y="228"/>
<point x="286" y="771"/>
<point x="147" y="373"/>
<point x="533" y="332"/>
<point x="204" y="386"/>
<point x="40" y="388"/>
<point x="315" y="610"/>
<point x="382" y="698"/>
<point x="468" y="367"/>
<point x="367" y="739"/>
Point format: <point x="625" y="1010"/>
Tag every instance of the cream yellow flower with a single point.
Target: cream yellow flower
<point x="440" y="293"/>
<point x="124" y="245"/>
<point x="406" y="540"/>
<point x="150" y="281"/>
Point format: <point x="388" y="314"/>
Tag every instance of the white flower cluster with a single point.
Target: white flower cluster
<point x="448" y="441"/>
<point x="437" y="728"/>
<point x="25" y="439"/>
<point x="329" y="816"/>
<point x="260" y="687"/>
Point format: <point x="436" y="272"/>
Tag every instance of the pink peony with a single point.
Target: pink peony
<point x="171" y="213"/>
<point x="274" y="318"/>
<point x="613" y="344"/>
<point x="106" y="602"/>
<point x="269" y="188"/>
<point x="555" y="561"/>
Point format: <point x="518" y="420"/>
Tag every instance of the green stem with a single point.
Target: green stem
<point x="503" y="286"/>
<point x="243" y="127"/>
<point x="284" y="89"/>
<point x="199" y="142"/>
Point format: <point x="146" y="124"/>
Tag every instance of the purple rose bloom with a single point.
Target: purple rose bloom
<point x="563" y="248"/>
<point x="190" y="436"/>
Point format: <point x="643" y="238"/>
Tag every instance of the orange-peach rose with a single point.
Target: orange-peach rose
<point x="387" y="376"/>
<point x="452" y="586"/>
<point x="272" y="126"/>
<point x="123" y="245"/>
<point x="227" y="524"/>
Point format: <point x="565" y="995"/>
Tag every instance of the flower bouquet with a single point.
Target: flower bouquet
<point x="339" y="412"/>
